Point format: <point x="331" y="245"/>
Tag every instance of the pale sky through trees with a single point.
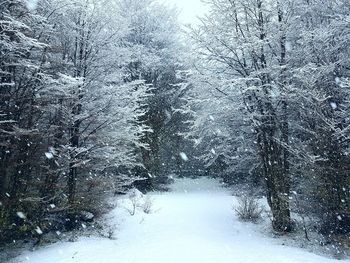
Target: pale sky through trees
<point x="189" y="10"/>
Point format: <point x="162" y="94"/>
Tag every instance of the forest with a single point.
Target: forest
<point x="98" y="97"/>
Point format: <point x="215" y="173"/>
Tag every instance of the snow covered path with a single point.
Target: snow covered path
<point x="193" y="224"/>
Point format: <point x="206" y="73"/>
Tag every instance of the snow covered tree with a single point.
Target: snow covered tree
<point x="84" y="87"/>
<point x="244" y="42"/>
<point x="72" y="119"/>
<point x="155" y="49"/>
<point x="322" y="82"/>
<point x="283" y="62"/>
<point x="20" y="78"/>
<point x="102" y="111"/>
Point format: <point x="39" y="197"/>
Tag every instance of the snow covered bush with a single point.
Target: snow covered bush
<point x="248" y="208"/>
<point x="147" y="205"/>
<point x="138" y="201"/>
<point x="135" y="198"/>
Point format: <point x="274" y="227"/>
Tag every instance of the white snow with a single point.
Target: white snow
<point x="38" y="230"/>
<point x="21" y="215"/>
<point x="184" y="156"/>
<point x="194" y="223"/>
<point x="49" y="155"/>
<point x="31" y="4"/>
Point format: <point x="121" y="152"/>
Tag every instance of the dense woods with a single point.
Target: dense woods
<point x="97" y="96"/>
<point x="81" y="88"/>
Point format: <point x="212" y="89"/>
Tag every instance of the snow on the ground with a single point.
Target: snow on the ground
<point x="193" y="223"/>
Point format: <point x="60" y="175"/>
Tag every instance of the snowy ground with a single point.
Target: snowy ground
<point x="193" y="223"/>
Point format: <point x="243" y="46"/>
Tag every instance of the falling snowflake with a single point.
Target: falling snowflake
<point x="184" y="156"/>
<point x="21" y="215"/>
<point x="31" y="4"/>
<point x="49" y="155"/>
<point x="334" y="105"/>
<point x="38" y="230"/>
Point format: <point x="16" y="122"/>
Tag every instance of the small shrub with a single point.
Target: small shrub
<point x="147" y="206"/>
<point x="135" y="198"/>
<point x="248" y="208"/>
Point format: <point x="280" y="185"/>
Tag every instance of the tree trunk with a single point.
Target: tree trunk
<point x="74" y="143"/>
<point x="277" y="184"/>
